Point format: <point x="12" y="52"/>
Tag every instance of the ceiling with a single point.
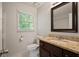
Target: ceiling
<point x="39" y="4"/>
<point x="35" y="4"/>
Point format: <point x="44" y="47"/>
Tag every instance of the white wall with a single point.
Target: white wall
<point x="44" y="21"/>
<point x="0" y="26"/>
<point x="12" y="36"/>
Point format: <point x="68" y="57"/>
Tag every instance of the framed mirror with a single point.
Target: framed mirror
<point x="64" y="17"/>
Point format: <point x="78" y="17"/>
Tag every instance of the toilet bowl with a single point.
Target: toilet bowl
<point x="33" y="50"/>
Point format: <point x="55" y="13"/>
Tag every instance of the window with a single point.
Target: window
<point x="25" y="22"/>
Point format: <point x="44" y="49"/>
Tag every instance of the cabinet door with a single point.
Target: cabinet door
<point x="44" y="53"/>
<point x="56" y="51"/>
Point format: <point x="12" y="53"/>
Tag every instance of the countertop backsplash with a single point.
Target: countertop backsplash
<point x="74" y="38"/>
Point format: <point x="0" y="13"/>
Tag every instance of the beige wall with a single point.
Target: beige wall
<point x="44" y="21"/>
<point x="10" y="20"/>
<point x="0" y="26"/>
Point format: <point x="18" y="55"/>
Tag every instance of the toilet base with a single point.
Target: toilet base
<point x="34" y="53"/>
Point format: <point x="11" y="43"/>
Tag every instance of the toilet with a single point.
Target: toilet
<point x="33" y="50"/>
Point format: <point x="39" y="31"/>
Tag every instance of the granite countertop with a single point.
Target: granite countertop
<point x="72" y="46"/>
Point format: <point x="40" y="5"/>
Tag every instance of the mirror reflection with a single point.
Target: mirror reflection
<point x="62" y="17"/>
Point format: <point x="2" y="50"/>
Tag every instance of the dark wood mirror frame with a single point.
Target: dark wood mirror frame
<point x="74" y="18"/>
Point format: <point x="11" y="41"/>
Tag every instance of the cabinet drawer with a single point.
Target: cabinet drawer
<point x="67" y="53"/>
<point x="42" y="44"/>
<point x="52" y="50"/>
<point x="45" y="45"/>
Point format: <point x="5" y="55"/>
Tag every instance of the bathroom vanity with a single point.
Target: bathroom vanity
<point x="58" y="48"/>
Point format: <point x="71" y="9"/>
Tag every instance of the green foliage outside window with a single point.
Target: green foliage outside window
<point x="25" y="22"/>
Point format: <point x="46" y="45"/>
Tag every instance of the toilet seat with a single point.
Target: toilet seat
<point x="32" y="46"/>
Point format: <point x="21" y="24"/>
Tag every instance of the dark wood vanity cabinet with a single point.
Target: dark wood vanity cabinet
<point x="55" y="51"/>
<point x="48" y="50"/>
<point x="44" y="51"/>
<point x="66" y="53"/>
